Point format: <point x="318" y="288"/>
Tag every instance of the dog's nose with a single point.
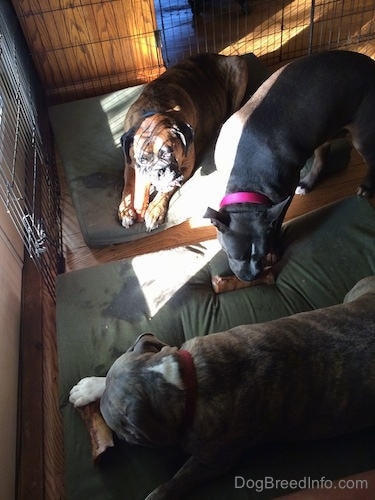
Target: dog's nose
<point x="249" y="271"/>
<point x="139" y="339"/>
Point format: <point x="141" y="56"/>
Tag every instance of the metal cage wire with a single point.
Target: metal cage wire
<point x="29" y="187"/>
<point x="276" y="30"/>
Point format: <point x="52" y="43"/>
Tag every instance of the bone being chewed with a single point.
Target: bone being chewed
<point x="170" y="371"/>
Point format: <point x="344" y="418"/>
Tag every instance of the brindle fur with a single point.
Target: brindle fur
<point x="182" y="110"/>
<point x="307" y="376"/>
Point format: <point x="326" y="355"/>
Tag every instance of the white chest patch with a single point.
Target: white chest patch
<point x="169" y="369"/>
<point x="227" y="144"/>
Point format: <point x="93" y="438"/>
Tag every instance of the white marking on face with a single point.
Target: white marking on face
<point x="169" y="369"/>
<point x="158" y="144"/>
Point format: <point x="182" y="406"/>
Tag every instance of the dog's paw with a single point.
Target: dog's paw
<point x="155" y="214"/>
<point x="301" y="189"/>
<point x="364" y="191"/>
<point x="87" y="390"/>
<point x="127" y="215"/>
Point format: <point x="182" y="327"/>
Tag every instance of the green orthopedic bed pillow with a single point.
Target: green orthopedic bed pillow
<point x="87" y="134"/>
<point x="101" y="311"/>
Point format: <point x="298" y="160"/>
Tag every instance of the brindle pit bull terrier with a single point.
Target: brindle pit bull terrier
<point x="168" y="126"/>
<point x="307" y="376"/>
<point x="265" y="144"/>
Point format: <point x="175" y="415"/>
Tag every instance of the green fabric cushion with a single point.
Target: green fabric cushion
<point x="101" y="310"/>
<point x="87" y="134"/>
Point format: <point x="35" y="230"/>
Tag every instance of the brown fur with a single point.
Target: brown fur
<point x="181" y="111"/>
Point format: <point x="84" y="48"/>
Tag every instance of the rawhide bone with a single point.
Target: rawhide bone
<point x="222" y="284"/>
<point x="100" y="434"/>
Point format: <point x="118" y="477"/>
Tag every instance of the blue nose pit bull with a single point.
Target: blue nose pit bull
<point x="307" y="376"/>
<point x="293" y="115"/>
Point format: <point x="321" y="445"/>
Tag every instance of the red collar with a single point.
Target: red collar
<point x="244" y="197"/>
<point x="189" y="378"/>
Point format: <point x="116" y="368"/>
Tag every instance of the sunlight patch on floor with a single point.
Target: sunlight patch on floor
<point x="163" y="274"/>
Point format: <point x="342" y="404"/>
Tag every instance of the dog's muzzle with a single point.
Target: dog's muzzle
<point x="164" y="176"/>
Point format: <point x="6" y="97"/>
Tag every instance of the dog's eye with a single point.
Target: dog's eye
<point x="146" y="158"/>
<point x="165" y="153"/>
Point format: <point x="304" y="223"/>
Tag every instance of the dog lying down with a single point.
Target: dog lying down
<point x="307" y="376"/>
<point x="168" y="127"/>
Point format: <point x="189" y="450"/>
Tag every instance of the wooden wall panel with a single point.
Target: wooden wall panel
<point x="83" y="48"/>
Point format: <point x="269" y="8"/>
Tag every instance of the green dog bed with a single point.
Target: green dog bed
<point x="102" y="310"/>
<point x="87" y="135"/>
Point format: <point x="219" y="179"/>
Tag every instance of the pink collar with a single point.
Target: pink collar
<point x="244" y="197"/>
<point x="189" y="377"/>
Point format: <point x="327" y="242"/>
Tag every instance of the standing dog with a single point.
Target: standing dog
<point x="292" y="115"/>
<point x="174" y="118"/>
<point x="307" y="376"/>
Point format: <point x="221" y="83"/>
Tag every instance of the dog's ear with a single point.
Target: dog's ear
<point x="185" y="133"/>
<point x="150" y="424"/>
<point x="219" y="219"/>
<point x="278" y="211"/>
<point x="147" y="342"/>
<point x="127" y="140"/>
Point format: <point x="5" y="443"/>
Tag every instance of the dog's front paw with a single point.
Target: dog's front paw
<point x="87" y="390"/>
<point x="302" y="189"/>
<point x="155" y="213"/>
<point x="126" y="214"/>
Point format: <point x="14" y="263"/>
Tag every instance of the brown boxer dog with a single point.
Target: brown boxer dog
<point x="306" y="376"/>
<point x="174" y="118"/>
<point x="265" y="144"/>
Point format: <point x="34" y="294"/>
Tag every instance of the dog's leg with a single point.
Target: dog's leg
<point x="157" y="210"/>
<point x="87" y="390"/>
<point x="192" y="474"/>
<point x="367" y="151"/>
<point x="158" y="207"/>
<point x="320" y="156"/>
<point x="126" y="212"/>
<point x="363" y="140"/>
